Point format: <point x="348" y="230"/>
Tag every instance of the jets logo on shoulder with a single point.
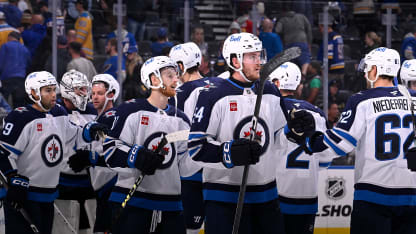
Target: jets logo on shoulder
<point x="208" y="85"/>
<point x="297" y="105"/>
<point x="110" y="114"/>
<point x="131" y="100"/>
<point x="394" y="92"/>
<point x="168" y="150"/>
<point x="21" y="109"/>
<point x="51" y="151"/>
<point x="243" y="130"/>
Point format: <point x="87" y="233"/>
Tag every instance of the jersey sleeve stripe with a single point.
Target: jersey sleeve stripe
<point x="334" y="147"/>
<point x="13" y="150"/>
<point x="346" y="136"/>
<point x="333" y="137"/>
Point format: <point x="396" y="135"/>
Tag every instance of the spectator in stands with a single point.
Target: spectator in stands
<point x="5" y="108"/>
<point x="133" y="87"/>
<point x="136" y="16"/>
<point x="336" y="95"/>
<point x="333" y="114"/>
<point x="127" y="38"/>
<point x="83" y="27"/>
<point x="234" y="28"/>
<point x="110" y="65"/>
<point x="271" y="41"/>
<point x="372" y="41"/>
<point x="14" y="61"/>
<point x="47" y="16"/>
<point x="312" y="87"/>
<point x="408" y="48"/>
<point x="5" y="29"/>
<point x="335" y="53"/>
<point x="71" y="35"/>
<point x="23" y="5"/>
<point x="162" y="42"/>
<point x="63" y="57"/>
<point x="198" y="38"/>
<point x="72" y="9"/>
<point x="26" y="21"/>
<point x="296" y="31"/>
<point x="12" y="13"/>
<point x="245" y="22"/>
<point x="33" y="36"/>
<point x="79" y="63"/>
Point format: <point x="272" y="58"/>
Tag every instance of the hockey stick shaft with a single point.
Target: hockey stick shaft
<point x="21" y="210"/>
<point x="266" y="70"/>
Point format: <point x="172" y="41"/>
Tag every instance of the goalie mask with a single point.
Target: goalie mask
<point x="35" y="81"/>
<point x="76" y="88"/>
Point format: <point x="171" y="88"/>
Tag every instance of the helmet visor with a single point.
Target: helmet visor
<point x="257" y="57"/>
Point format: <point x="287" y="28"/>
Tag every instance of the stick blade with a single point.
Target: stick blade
<point x="177" y="136"/>
<point x="278" y="60"/>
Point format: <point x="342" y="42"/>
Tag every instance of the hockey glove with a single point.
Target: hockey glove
<point x="93" y="130"/>
<point x="300" y="126"/>
<point x="80" y="160"/>
<point x="144" y="159"/>
<point x="411" y="159"/>
<point x="240" y="152"/>
<point x="18" y="189"/>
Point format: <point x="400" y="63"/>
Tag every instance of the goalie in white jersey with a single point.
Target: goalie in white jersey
<point x="32" y="144"/>
<point x="188" y="57"/>
<point x="140" y="125"/>
<point x="297" y="173"/>
<point x="378" y="124"/>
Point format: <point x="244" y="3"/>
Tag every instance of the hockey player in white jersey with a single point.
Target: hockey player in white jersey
<point x="219" y="140"/>
<point x="297" y="173"/>
<point x="76" y="186"/>
<point x="377" y="123"/>
<point x="408" y="73"/>
<point x="188" y="57"/>
<point x="32" y="146"/>
<point x="140" y="124"/>
<point x="105" y="90"/>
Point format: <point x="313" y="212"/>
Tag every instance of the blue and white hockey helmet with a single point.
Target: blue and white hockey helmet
<point x="35" y="81"/>
<point x="188" y="54"/>
<point x="153" y="66"/>
<point x="239" y="44"/>
<point x="386" y="60"/>
<point x="76" y="88"/>
<point x="112" y="83"/>
<point x="288" y="74"/>
<point x="408" y="71"/>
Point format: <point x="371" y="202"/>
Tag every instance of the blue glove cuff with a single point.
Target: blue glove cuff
<point x="286" y="130"/>
<point x="308" y="144"/>
<point x="93" y="157"/>
<point x="18" y="181"/>
<point x="86" y="135"/>
<point x="226" y="154"/>
<point x="132" y="156"/>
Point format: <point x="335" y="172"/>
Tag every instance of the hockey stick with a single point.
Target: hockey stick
<point x="265" y="71"/>
<point x="20" y="209"/>
<point x="411" y="151"/>
<point x="168" y="138"/>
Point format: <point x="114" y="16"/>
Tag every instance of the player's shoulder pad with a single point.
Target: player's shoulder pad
<point x="361" y="96"/>
<point x="270" y="88"/>
<point x="172" y="111"/>
<point x="107" y="117"/>
<point x="23" y="115"/>
<point x="89" y="110"/>
<point x="58" y="110"/>
<point x="303" y="105"/>
<point x="412" y="92"/>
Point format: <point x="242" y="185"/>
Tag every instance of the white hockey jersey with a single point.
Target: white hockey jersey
<point x="225" y="113"/>
<point x="138" y="122"/>
<point x="33" y="143"/>
<point x="377" y="122"/>
<point x="297" y="173"/>
<point x="68" y="177"/>
<point x="185" y="100"/>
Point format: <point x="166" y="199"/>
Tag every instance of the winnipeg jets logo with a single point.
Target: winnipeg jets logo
<point x="168" y="151"/>
<point x="297" y="105"/>
<point x="131" y="100"/>
<point x="110" y="114"/>
<point x="52" y="151"/>
<point x="21" y="109"/>
<point x="208" y="85"/>
<point x="394" y="92"/>
<point x="244" y="130"/>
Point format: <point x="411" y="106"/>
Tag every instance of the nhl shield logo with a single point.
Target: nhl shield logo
<point x="335" y="188"/>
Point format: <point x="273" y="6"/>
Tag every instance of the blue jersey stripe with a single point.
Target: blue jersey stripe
<point x="383" y="199"/>
<point x="42" y="197"/>
<point x="147" y="203"/>
<point x="232" y="197"/>
<point x="346" y="136"/>
<point x="195" y="177"/>
<point x="334" y="147"/>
